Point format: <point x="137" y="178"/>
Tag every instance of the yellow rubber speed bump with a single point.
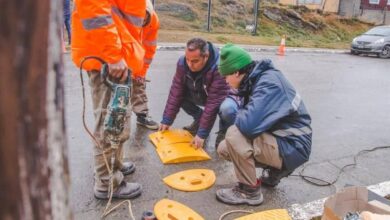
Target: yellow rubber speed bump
<point x="173" y="136"/>
<point x="191" y="180"/>
<point x="275" y="214"/>
<point x="167" y="209"/>
<point x="174" y="146"/>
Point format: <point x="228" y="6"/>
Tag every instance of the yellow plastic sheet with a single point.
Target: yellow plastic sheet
<point x="275" y="214"/>
<point x="191" y="180"/>
<point x="167" y="209"/>
<point x="174" y="146"/>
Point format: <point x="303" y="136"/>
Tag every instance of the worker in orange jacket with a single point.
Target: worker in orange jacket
<point x="112" y="31"/>
<point x="139" y="100"/>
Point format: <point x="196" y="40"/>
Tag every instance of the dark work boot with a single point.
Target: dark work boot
<point x="241" y="194"/>
<point x="271" y="176"/>
<point x="193" y="127"/>
<point x="128" y="168"/>
<point x="220" y="137"/>
<point x="147" y="121"/>
<point x="124" y="191"/>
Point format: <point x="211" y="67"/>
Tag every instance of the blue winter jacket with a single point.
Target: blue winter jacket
<point x="272" y="105"/>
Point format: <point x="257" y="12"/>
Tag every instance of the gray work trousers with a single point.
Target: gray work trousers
<point x="101" y="94"/>
<point x="139" y="100"/>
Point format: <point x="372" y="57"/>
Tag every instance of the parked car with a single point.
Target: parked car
<point x="375" y="41"/>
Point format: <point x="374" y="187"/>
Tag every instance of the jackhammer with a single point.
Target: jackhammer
<point x="114" y="120"/>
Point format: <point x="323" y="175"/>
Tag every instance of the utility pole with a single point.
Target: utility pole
<point x="209" y="17"/>
<point x="255" y="11"/>
<point x="33" y="163"/>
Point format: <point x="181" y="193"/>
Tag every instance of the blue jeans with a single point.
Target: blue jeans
<point x="68" y="27"/>
<point x="227" y="111"/>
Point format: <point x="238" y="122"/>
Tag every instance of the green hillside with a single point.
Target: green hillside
<point x="230" y="19"/>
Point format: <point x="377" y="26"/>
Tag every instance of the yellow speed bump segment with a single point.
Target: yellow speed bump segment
<point x="174" y="146"/>
<point x="191" y="180"/>
<point x="275" y="214"/>
<point x="173" y="136"/>
<point x="167" y="209"/>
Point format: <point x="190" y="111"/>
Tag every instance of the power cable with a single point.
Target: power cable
<point x="311" y="179"/>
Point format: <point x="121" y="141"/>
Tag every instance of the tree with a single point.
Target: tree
<point x="33" y="162"/>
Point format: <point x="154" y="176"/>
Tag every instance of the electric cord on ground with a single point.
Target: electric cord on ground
<point x="107" y="210"/>
<point x="315" y="181"/>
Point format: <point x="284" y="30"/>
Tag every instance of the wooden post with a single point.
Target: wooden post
<point x="33" y="163"/>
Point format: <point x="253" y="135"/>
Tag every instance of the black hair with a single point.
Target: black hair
<point x="247" y="69"/>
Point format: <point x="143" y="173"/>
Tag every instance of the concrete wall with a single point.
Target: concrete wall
<point x="331" y="5"/>
<point x="387" y="20"/>
<point x="288" y="2"/>
<point x="326" y="5"/>
<point x="354" y="9"/>
<point x="375" y="16"/>
<point x="349" y="8"/>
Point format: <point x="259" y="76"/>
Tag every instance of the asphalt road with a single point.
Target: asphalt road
<point x="347" y="96"/>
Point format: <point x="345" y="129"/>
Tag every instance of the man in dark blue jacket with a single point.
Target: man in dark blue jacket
<point x="271" y="130"/>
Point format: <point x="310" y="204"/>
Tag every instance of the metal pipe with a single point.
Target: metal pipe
<point x="209" y="17"/>
<point x="255" y="11"/>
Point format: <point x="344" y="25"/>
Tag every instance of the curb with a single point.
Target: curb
<point x="315" y="208"/>
<point x="263" y="49"/>
<point x="257" y="49"/>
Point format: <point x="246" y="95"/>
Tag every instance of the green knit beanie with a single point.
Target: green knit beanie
<point x="232" y="59"/>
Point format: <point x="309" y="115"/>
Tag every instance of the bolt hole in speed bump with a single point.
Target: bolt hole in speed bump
<point x="191" y="180"/>
<point x="174" y="146"/>
<point x="166" y="209"/>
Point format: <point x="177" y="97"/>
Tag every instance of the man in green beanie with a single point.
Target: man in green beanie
<point x="271" y="129"/>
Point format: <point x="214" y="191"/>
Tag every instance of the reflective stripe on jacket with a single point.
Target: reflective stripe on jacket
<point x="271" y="104"/>
<point x="110" y="30"/>
<point x="149" y="42"/>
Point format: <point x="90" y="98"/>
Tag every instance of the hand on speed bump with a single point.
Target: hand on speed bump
<point x="197" y="142"/>
<point x="163" y="127"/>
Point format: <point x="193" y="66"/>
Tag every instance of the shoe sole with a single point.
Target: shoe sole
<point x="268" y="185"/>
<point x="151" y="127"/>
<point x="251" y="203"/>
<point x="129" y="171"/>
<point x="104" y="196"/>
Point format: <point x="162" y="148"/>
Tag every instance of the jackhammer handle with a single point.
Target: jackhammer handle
<point x="107" y="81"/>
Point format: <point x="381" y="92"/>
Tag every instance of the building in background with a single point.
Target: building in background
<point x="324" y="5"/>
<point x="374" y="11"/>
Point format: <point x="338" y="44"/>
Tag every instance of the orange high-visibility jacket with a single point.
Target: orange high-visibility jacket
<point x="149" y="42"/>
<point x="109" y="29"/>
